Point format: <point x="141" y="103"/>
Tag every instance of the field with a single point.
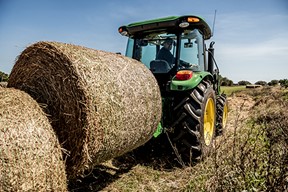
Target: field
<point x="251" y="155"/>
<point x="228" y="90"/>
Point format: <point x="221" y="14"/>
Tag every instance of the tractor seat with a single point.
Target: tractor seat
<point x="159" y="66"/>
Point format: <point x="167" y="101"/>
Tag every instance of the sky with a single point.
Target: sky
<point x="251" y="36"/>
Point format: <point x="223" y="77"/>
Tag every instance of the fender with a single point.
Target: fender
<point x="197" y="77"/>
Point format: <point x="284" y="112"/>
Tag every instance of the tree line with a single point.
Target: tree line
<point x="224" y="81"/>
<point x="3" y="76"/>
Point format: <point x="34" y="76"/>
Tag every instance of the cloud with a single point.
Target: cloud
<point x="250" y="27"/>
<point x="258" y="61"/>
<point x="252" y="46"/>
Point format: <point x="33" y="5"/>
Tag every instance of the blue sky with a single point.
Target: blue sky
<point x="251" y="35"/>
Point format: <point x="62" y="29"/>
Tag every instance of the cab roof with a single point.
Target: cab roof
<point x="172" y="24"/>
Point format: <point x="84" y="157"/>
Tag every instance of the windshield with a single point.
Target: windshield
<point x="164" y="47"/>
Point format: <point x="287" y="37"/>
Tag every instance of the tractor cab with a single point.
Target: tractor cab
<point x="185" y="49"/>
<point x="147" y="43"/>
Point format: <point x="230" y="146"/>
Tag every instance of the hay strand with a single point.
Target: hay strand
<point x="30" y="154"/>
<point x="101" y="104"/>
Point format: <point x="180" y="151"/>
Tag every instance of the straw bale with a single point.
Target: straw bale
<point x="30" y="153"/>
<point x="101" y="104"/>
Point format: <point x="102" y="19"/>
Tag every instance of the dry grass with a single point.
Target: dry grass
<point x="30" y="154"/>
<point x="254" y="156"/>
<point x="3" y="84"/>
<point x="100" y="104"/>
<point x="251" y="155"/>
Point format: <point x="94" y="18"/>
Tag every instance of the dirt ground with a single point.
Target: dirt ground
<point x="239" y="106"/>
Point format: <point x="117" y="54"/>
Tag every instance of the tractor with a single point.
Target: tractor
<point x="194" y="111"/>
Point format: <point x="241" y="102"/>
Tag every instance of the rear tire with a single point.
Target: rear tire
<point x="222" y="113"/>
<point x="195" y="123"/>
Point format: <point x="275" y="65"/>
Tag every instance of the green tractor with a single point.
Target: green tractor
<point x="194" y="110"/>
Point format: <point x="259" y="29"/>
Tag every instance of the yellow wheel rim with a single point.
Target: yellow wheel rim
<point x="209" y="121"/>
<point x="225" y="115"/>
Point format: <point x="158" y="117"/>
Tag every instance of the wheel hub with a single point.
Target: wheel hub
<point x="225" y="115"/>
<point x="209" y="121"/>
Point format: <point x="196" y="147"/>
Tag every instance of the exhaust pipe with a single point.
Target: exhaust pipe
<point x="211" y="58"/>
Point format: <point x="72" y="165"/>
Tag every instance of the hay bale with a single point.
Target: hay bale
<point x="101" y="104"/>
<point x="253" y="86"/>
<point x="30" y="154"/>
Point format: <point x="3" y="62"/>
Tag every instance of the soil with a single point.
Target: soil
<point x="239" y="106"/>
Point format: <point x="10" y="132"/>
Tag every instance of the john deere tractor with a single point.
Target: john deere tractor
<point x="194" y="110"/>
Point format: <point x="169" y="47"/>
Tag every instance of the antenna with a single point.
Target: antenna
<point x="214" y="22"/>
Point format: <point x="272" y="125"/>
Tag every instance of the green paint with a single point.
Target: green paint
<point x="159" y="130"/>
<point x="171" y="23"/>
<point x="177" y="85"/>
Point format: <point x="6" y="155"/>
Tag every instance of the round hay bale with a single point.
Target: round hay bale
<point x="30" y="154"/>
<point x="101" y="104"/>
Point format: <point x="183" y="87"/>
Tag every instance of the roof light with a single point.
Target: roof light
<point x="122" y="31"/>
<point x="184" y="24"/>
<point x="193" y="19"/>
<point x="184" y="75"/>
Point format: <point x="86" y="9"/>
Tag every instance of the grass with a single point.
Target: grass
<point x="228" y="90"/>
<point x="254" y="156"/>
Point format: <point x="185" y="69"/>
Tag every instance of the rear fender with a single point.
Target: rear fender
<point x="197" y="77"/>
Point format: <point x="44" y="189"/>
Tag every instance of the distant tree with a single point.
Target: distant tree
<point x="244" y="82"/>
<point x="224" y="81"/>
<point x="284" y="83"/>
<point x="3" y="76"/>
<point x="263" y="83"/>
<point x="273" y="82"/>
<point x="230" y="83"/>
